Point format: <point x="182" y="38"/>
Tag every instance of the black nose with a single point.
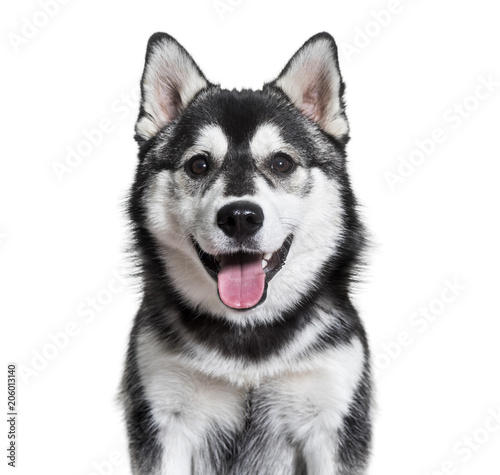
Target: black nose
<point x="240" y="219"/>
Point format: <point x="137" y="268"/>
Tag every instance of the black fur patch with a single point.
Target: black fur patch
<point x="354" y="438"/>
<point x="144" y="442"/>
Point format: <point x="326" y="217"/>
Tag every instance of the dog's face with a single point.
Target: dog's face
<point x="243" y="193"/>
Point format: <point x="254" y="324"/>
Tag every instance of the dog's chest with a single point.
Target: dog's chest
<point x="307" y="405"/>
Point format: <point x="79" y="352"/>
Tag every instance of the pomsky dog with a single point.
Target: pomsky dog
<point x="247" y="356"/>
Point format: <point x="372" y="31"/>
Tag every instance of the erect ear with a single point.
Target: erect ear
<point x="313" y="83"/>
<point x="170" y="81"/>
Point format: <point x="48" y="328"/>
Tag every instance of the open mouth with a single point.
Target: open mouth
<point x="242" y="277"/>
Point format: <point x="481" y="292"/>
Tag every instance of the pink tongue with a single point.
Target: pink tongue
<point x="241" y="280"/>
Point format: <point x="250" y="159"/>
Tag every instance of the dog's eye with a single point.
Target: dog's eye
<point x="198" y="165"/>
<point x="282" y="163"/>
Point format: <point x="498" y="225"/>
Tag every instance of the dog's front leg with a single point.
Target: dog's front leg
<point x="180" y="422"/>
<point x="165" y="446"/>
<point x="324" y="412"/>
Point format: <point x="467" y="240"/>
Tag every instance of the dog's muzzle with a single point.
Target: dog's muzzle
<point x="242" y="277"/>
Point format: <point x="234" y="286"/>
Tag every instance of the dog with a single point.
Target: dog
<point x="246" y="355"/>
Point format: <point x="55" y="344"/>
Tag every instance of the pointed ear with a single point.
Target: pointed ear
<point x="170" y="81"/>
<point x="313" y="83"/>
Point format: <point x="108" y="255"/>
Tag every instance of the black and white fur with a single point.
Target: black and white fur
<point x="282" y="387"/>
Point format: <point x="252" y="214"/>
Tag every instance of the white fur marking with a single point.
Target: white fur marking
<point x="266" y="140"/>
<point x="212" y="140"/>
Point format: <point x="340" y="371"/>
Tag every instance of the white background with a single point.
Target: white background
<point x="63" y="239"/>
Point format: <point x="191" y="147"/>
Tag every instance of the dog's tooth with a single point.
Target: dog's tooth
<point x="264" y="263"/>
<point x="267" y="256"/>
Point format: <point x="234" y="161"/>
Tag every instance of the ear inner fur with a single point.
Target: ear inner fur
<point x="171" y="79"/>
<point x="313" y="83"/>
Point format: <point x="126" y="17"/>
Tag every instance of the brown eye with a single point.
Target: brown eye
<point x="198" y="165"/>
<point x="282" y="163"/>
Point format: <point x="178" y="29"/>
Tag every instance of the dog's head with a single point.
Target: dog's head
<point x="243" y="196"/>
